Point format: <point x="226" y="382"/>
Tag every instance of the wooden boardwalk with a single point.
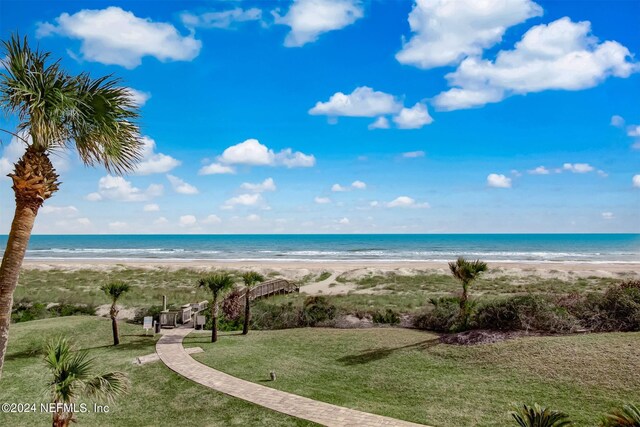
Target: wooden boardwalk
<point x="173" y="354"/>
<point x="269" y="288"/>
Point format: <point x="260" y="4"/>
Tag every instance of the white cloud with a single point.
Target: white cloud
<point x="212" y="219"/>
<point x="561" y="55"/>
<point x="498" y="181"/>
<point x="633" y="130"/>
<point x="607" y="215"/>
<point x="413" y="118"/>
<point x="216" y="169"/>
<point x="358" y="185"/>
<point x="85" y="222"/>
<point x="446" y="31"/>
<point x="151" y="207"/>
<point x="181" y="187"/>
<point x="404" y="202"/>
<point x="260" y="187"/>
<point x="117" y="188"/>
<point x="308" y="19"/>
<point x="636" y="181"/>
<point x="617" y="121"/>
<point x="578" y="167"/>
<point x="252" y="152"/>
<point x="362" y="102"/>
<point x="380" y="123"/>
<point x="540" y="170"/>
<point x="336" y="188"/>
<point x="153" y="162"/>
<point x="253" y="217"/>
<point x="602" y="173"/>
<point x="254" y="199"/>
<point x="222" y="19"/>
<point x="139" y="97"/>
<point x="115" y="36"/>
<point x="59" y="210"/>
<point x="161" y="221"/>
<point x="187" y="221"/>
<point x="322" y="200"/>
<point x="413" y="154"/>
<point x="344" y="221"/>
<point x="117" y="225"/>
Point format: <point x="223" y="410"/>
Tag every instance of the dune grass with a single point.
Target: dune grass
<point x="158" y="397"/>
<point x="408" y="375"/>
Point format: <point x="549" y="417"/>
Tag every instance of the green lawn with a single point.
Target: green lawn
<point x="158" y="396"/>
<point x="407" y="374"/>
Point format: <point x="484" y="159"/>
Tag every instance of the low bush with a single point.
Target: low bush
<point x="617" y="309"/>
<point x="388" y="317"/>
<point x="444" y="315"/>
<point x="153" y="311"/>
<point x="317" y="309"/>
<point x="25" y="311"/>
<point x="274" y="316"/>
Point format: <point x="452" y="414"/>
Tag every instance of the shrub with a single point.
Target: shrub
<point x="231" y="308"/>
<point x="388" y="317"/>
<point x="317" y="309"/>
<point x="25" y="311"/>
<point x="275" y="316"/>
<point x="617" y="309"/>
<point x="153" y="311"/>
<point x="443" y="317"/>
<point x="535" y="416"/>
<point x="524" y="312"/>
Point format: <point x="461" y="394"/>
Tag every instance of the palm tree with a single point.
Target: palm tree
<point x="627" y="416"/>
<point x="115" y="291"/>
<point x="218" y="284"/>
<point x="250" y="278"/>
<point x="56" y="111"/>
<point x="466" y="272"/>
<point x="73" y="379"/>
<point x="535" y="416"/>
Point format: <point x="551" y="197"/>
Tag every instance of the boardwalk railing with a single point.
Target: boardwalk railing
<point x="269" y="288"/>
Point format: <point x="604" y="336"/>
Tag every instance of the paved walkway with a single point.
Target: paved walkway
<point x="173" y="354"/>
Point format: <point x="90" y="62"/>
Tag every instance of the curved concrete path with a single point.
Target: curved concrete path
<point x="173" y="354"/>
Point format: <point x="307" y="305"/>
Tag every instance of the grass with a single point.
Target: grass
<point x="408" y="375"/>
<point x="158" y="397"/>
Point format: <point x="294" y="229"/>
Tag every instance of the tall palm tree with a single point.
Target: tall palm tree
<point x="535" y="416"/>
<point x="73" y="379"/>
<point x="218" y="284"/>
<point x="251" y="279"/>
<point x="56" y="111"/>
<point x="115" y="291"/>
<point x="466" y="272"/>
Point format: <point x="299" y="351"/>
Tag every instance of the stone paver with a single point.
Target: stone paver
<point x="173" y="354"/>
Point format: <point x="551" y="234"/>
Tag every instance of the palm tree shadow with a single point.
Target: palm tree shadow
<point x="131" y="345"/>
<point x="384" y="352"/>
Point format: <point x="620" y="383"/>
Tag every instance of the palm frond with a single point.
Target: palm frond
<point x="536" y="416"/>
<point x="250" y="278"/>
<point x="627" y="416"/>
<point x="115" y="289"/>
<point x="217" y="283"/>
<point x="107" y="386"/>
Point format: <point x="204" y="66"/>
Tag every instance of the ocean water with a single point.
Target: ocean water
<point x="592" y="248"/>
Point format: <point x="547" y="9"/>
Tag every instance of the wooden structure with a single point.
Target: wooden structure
<point x="269" y="288"/>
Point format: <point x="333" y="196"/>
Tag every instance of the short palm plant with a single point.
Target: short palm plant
<point x="535" y="416"/>
<point x="251" y="279"/>
<point x="115" y="291"/>
<point x="73" y="379"/>
<point x="218" y="284"/>
<point x="627" y="416"/>
<point x="56" y="111"/>
<point x="466" y="272"/>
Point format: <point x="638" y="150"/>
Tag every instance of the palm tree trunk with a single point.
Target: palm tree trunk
<point x="214" y="320"/>
<point x="247" y="312"/>
<point x="23" y="220"/>
<point x="114" y="327"/>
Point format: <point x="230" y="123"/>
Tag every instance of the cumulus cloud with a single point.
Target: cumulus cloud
<point x="633" y="131"/>
<point x="343" y="221"/>
<point x="358" y="185"/>
<point x="161" y="221"/>
<point x="362" y="102"/>
<point x="498" y="181"/>
<point x="114" y="36"/>
<point x="153" y="162"/>
<point x="446" y="31"/>
<point x="413" y="118"/>
<point x="540" y="170"/>
<point x="404" y="202"/>
<point x="151" y="207"/>
<point x="322" y="200"/>
<point x="181" y="187"/>
<point x="253" y="218"/>
<point x="59" y="210"/>
<point x="212" y="219"/>
<point x="380" y="123"/>
<point x="336" y="188"/>
<point x="117" y="188"/>
<point x="635" y="181"/>
<point x="254" y="199"/>
<point x="220" y="19"/>
<point x="617" y="121"/>
<point x="607" y="215"/>
<point x="252" y="152"/>
<point x="413" y="154"/>
<point x="187" y="221"/>
<point x="117" y="225"/>
<point x="561" y="55"/>
<point x="578" y="167"/>
<point x="260" y="187"/>
<point x="139" y="97"/>
<point x="355" y="185"/>
<point x="308" y="19"/>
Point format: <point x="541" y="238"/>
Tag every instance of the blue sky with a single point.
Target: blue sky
<point x="340" y="116"/>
